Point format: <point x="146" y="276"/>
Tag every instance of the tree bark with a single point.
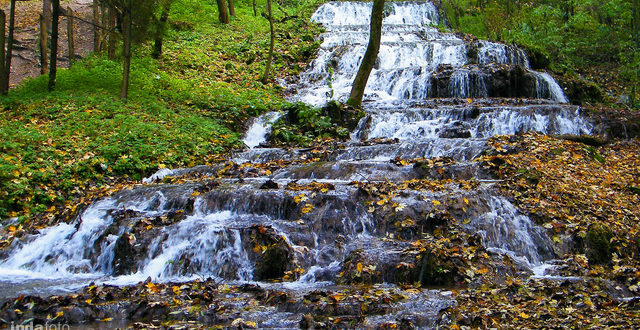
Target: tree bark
<point x="96" y="30"/>
<point x="104" y="32"/>
<point x="160" y="31"/>
<point x="370" y="56"/>
<point x="46" y="12"/>
<point x="3" y="19"/>
<point x="223" y="12"/>
<point x="112" y="33"/>
<point x="635" y="17"/>
<point x="53" y="65"/>
<point x="7" y="65"/>
<point x="232" y="8"/>
<point x="255" y="11"/>
<point x="44" y="35"/>
<point x="126" y="51"/>
<point x="265" y="78"/>
<point x="70" y="43"/>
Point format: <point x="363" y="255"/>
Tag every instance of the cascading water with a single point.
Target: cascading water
<point x="208" y="229"/>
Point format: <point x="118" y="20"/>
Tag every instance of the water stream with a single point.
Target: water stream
<point x="417" y="95"/>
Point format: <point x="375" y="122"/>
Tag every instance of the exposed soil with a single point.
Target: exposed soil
<point x="25" y="62"/>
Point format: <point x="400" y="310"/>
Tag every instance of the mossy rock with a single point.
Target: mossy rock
<point x="598" y="244"/>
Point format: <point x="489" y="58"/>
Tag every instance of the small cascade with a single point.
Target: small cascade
<point x="504" y="230"/>
<point x="257" y="132"/>
<point x="548" y="88"/>
<point x="430" y="95"/>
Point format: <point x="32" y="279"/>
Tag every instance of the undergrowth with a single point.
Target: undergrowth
<point x="187" y="108"/>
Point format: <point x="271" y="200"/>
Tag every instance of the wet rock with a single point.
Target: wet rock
<point x="456" y="130"/>
<point x="358" y="267"/>
<point x="269" y="251"/>
<point x="123" y="256"/>
<point x="343" y="114"/>
<point x="492" y="80"/>
<point x="269" y="184"/>
<point x="434" y="271"/>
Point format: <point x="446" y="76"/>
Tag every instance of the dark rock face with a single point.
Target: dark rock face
<point x="270" y="252"/>
<point x="269" y="184"/>
<point x="123" y="256"/>
<point x="457" y="130"/>
<point x="493" y="80"/>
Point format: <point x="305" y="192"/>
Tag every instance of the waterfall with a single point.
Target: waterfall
<point x="411" y="53"/>
<point x="430" y="94"/>
<point x="257" y="133"/>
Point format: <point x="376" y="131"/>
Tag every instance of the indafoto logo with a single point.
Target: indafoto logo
<point x="46" y="326"/>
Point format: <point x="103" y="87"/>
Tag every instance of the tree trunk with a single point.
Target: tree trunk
<point x="3" y="19"/>
<point x="223" y="12"/>
<point x="370" y="56"/>
<point x="44" y="35"/>
<point x="46" y="12"/>
<point x="635" y="17"/>
<point x="255" y="12"/>
<point x="70" y="43"/>
<point x="96" y="30"/>
<point x="265" y="78"/>
<point x="104" y="33"/>
<point x="126" y="51"/>
<point x="160" y="31"/>
<point x="7" y="65"/>
<point x="232" y="8"/>
<point x="53" y="65"/>
<point x="112" y="33"/>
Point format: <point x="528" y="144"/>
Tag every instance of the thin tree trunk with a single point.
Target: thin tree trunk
<point x="44" y="35"/>
<point x="46" y="12"/>
<point x="223" y="12"/>
<point x="636" y="36"/>
<point x="96" y="30"/>
<point x="70" y="43"/>
<point x="255" y="11"/>
<point x="126" y="52"/>
<point x="3" y="19"/>
<point x="370" y="56"/>
<point x="55" y="18"/>
<point x="162" y="25"/>
<point x="232" y="8"/>
<point x="265" y="78"/>
<point x="7" y="65"/>
<point x="112" y="34"/>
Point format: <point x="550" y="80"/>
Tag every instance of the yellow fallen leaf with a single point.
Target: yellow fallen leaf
<point x="359" y="267"/>
<point x="176" y="289"/>
<point x="436" y="203"/>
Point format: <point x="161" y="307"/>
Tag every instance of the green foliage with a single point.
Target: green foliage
<point x="574" y="35"/>
<point x="184" y="109"/>
<point x="303" y="123"/>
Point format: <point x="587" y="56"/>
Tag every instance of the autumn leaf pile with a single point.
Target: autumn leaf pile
<point x="586" y="197"/>
<point x="573" y="189"/>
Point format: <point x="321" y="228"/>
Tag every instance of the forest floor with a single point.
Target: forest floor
<point x="26" y="60"/>
<point x="586" y="193"/>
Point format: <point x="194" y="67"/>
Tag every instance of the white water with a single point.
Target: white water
<point x="257" y="133"/>
<point x="411" y="50"/>
<point x="209" y="239"/>
<point x="505" y="230"/>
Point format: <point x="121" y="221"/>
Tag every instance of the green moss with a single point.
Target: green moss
<point x="599" y="246"/>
